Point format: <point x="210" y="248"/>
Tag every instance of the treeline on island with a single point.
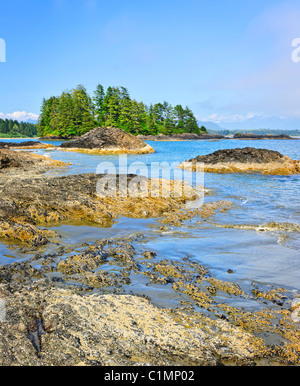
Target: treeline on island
<point x="13" y="129"/>
<point x="74" y="113"/>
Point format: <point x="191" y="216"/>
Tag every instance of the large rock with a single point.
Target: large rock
<point x="57" y="327"/>
<point x="44" y="200"/>
<point x="49" y="199"/>
<point x="108" y="140"/>
<point x="245" y="160"/>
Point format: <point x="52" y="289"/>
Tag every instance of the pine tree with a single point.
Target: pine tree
<point x="83" y="111"/>
<point x="98" y="100"/>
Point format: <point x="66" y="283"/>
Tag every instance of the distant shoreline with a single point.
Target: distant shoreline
<point x="29" y="138"/>
<point x="213" y="137"/>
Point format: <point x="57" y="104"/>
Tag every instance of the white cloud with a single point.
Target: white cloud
<point x="216" y="118"/>
<point x="20" y="116"/>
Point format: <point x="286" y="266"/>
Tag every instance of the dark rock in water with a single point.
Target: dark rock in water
<point x="193" y="136"/>
<point x="245" y="160"/>
<point x="52" y="137"/>
<point x="149" y="254"/>
<point x="258" y="136"/>
<point x="24" y="145"/>
<point x="7" y="145"/>
<point x="108" y="140"/>
<point x="244" y="155"/>
<point x="180" y="137"/>
<point x="211" y="136"/>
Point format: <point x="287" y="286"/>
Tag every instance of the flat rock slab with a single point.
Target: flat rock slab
<point x="71" y="329"/>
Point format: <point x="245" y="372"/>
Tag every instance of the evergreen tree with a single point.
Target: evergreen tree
<point x="98" y="99"/>
<point x="83" y="111"/>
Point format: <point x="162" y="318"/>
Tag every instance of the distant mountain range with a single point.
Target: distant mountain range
<point x="256" y="123"/>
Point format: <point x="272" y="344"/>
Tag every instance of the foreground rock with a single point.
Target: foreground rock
<point x="246" y="160"/>
<point x="54" y="326"/>
<point x="72" y="309"/>
<point x="104" y="140"/>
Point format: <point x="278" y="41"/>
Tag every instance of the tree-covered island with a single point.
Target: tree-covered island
<point x="74" y="113"/>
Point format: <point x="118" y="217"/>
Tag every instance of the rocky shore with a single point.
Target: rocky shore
<point x="68" y="309"/>
<point x="245" y="160"/>
<point x="76" y="307"/>
<point x="29" y="199"/>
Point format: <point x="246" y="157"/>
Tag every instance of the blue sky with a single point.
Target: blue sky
<point x="228" y="61"/>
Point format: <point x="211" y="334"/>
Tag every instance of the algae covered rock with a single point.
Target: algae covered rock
<point x="108" y="140"/>
<point x="245" y="160"/>
<point x="110" y="330"/>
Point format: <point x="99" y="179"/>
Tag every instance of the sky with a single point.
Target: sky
<point x="229" y="61"/>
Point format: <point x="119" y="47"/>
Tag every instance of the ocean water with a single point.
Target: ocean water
<point x="235" y="240"/>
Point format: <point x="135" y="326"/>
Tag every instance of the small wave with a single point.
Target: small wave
<point x="289" y="242"/>
<point x="269" y="227"/>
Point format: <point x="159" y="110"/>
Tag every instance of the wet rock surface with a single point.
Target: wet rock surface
<point x="25" y="233"/>
<point x="73" y="329"/>
<point x="108" y="140"/>
<point x="44" y="201"/>
<point x="15" y="225"/>
<point x="71" y="309"/>
<point x="245" y="160"/>
<point x="10" y="160"/>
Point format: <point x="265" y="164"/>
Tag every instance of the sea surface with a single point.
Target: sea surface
<point x="254" y="253"/>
